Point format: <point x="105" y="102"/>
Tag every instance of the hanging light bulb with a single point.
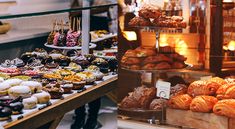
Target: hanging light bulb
<point x="231" y="45"/>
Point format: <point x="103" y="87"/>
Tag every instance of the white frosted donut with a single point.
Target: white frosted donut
<point x="1" y="79"/>
<point x="33" y="85"/>
<point x="17" y="91"/>
<point x="3" y="88"/>
<point x="13" y="82"/>
<point x="30" y="103"/>
<point x="42" y="97"/>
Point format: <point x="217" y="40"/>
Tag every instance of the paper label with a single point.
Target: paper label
<point x="205" y="78"/>
<point x="163" y="89"/>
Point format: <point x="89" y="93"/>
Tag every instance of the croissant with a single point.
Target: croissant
<point x="129" y="102"/>
<point x="180" y="102"/>
<point x="203" y="103"/>
<point x="226" y="91"/>
<point x="203" y="88"/>
<point x="225" y="108"/>
<point x="218" y="80"/>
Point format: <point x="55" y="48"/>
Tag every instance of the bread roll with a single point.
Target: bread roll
<point x="202" y="88"/>
<point x="30" y="103"/>
<point x="17" y="91"/>
<point x="225" y="108"/>
<point x="42" y="97"/>
<point x="180" y="102"/>
<point x="203" y="103"/>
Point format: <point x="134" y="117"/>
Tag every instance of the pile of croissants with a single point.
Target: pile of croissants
<point x="213" y="95"/>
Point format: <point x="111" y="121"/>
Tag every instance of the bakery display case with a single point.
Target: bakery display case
<point x="170" y="59"/>
<point x="71" y="67"/>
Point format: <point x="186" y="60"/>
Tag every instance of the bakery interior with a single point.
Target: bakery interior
<point x="54" y="59"/>
<point x="176" y="66"/>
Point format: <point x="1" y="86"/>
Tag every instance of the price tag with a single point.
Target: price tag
<point x="163" y="89"/>
<point x="205" y="78"/>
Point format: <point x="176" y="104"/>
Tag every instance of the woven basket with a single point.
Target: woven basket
<point x="5" y="28"/>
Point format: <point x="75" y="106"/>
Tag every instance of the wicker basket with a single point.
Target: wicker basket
<point x="5" y="28"/>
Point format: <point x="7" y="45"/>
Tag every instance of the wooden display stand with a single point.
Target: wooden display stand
<point x="187" y="118"/>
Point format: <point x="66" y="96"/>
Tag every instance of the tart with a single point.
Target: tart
<point x="52" y="76"/>
<point x="78" y="81"/>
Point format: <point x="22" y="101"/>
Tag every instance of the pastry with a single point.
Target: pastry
<point x="30" y="103"/>
<point x="148" y="67"/>
<point x="63" y="61"/>
<point x="90" y="57"/>
<point x="202" y="88"/>
<point x="132" y="61"/>
<point x="113" y="64"/>
<point x="157" y="104"/>
<point x="135" y="67"/>
<point x="17" y="62"/>
<point x="156" y="59"/>
<point x="52" y="76"/>
<point x="74" y="67"/>
<point x="16" y="107"/>
<point x="88" y="76"/>
<point x="4" y="88"/>
<point x="67" y="87"/>
<point x="33" y="85"/>
<point x="178" y="65"/>
<point x="225" y="108"/>
<point x="98" y="75"/>
<point x="203" y="103"/>
<point x="82" y="61"/>
<point x="144" y="96"/>
<point x="77" y="81"/>
<point x="131" y="53"/>
<point x="139" y="21"/>
<point x="226" y="91"/>
<point x="150" y="11"/>
<point x="129" y="102"/>
<point x="178" y="89"/>
<point x="34" y="63"/>
<point x="31" y="73"/>
<point x="177" y="57"/>
<point x="52" y="65"/>
<point x="17" y="91"/>
<point x="27" y="56"/>
<point x="64" y="72"/>
<point x="93" y="68"/>
<point x="180" y="102"/>
<point x="50" y="37"/>
<point x="218" y="80"/>
<point x="162" y="65"/>
<point x="43" y="97"/>
<point x="54" y="90"/>
<point x="72" y="38"/>
<point x="40" y="53"/>
<point x="1" y="79"/>
<point x="10" y="71"/>
<point x="13" y="82"/>
<point x="5" y="113"/>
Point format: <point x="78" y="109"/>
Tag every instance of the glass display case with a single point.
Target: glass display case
<point x="168" y="45"/>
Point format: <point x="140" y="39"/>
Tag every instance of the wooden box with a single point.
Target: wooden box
<point x="189" y="119"/>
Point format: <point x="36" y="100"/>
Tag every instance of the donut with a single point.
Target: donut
<point x="4" y="88"/>
<point x="30" y="103"/>
<point x="17" y="91"/>
<point x="13" y="82"/>
<point x="43" y="97"/>
<point x="33" y="85"/>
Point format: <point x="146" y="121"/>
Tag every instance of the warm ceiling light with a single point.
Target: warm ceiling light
<point x="228" y="4"/>
<point x="130" y="35"/>
<point x="227" y="1"/>
<point x="231" y="45"/>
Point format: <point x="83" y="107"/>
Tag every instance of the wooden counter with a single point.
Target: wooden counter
<point x="50" y="117"/>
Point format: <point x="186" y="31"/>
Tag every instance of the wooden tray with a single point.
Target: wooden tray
<point x="189" y="119"/>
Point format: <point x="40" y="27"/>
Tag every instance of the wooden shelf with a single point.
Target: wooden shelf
<point x="60" y="107"/>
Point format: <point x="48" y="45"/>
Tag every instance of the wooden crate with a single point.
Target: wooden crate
<point x="187" y="118"/>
